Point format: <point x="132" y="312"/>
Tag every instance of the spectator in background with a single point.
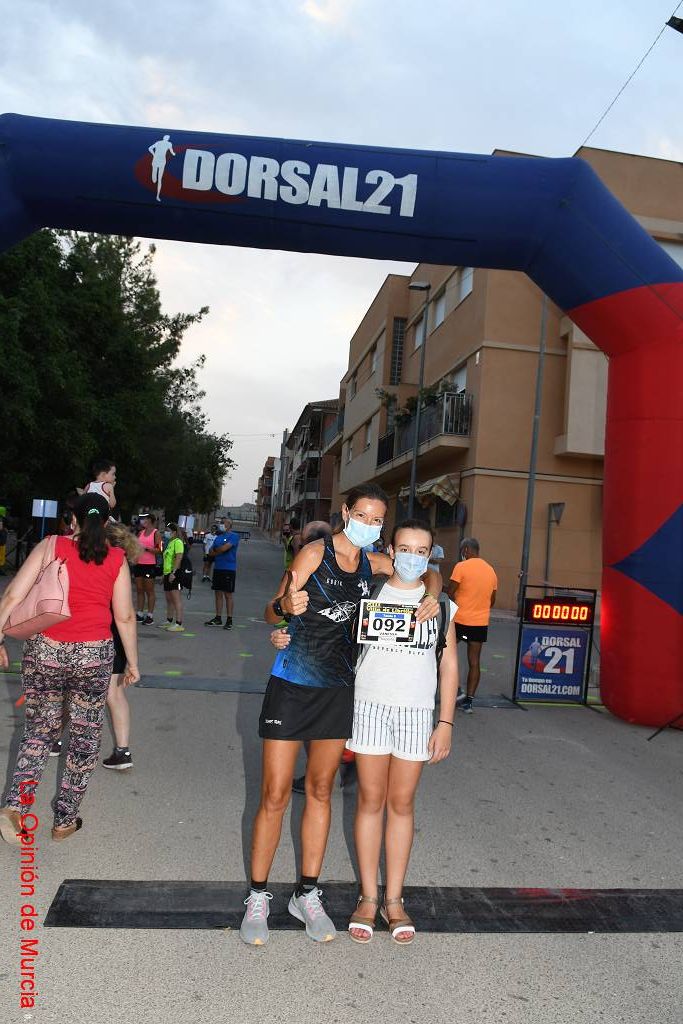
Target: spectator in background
<point x="173" y="556"/>
<point x="224" y="551"/>
<point x="437" y="556"/>
<point x="473" y="587"/>
<point x="291" y="535"/>
<point x="69" y="665"/>
<point x="209" y="538"/>
<point x="104" y="480"/>
<point x="145" y="569"/>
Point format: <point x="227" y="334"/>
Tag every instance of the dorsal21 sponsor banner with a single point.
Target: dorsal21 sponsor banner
<point x="553" y="657"/>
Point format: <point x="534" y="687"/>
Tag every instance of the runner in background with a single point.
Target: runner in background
<point x="117" y="703"/>
<point x="144" y="571"/>
<point x="291" y="538"/>
<point x="209" y="538"/>
<point x="224" y="551"/>
<point x="173" y="556"/>
<point x="473" y="585"/>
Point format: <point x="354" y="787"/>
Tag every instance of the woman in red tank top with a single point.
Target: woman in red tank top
<point x="69" y="666"/>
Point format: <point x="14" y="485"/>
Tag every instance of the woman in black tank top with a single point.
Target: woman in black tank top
<point x="310" y="697"/>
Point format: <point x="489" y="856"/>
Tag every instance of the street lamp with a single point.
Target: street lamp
<point x="418" y="286"/>
<point x="555" y="510"/>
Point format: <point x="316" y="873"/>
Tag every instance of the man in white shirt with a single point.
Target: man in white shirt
<point x="437" y="556"/>
<point x="209" y="538"/>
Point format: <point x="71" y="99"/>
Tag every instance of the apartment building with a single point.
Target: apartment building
<point x="307" y="474"/>
<point x="481" y="355"/>
<point x="264" y="494"/>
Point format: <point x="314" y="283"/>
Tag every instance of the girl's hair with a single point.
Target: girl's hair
<point x="119" y="536"/>
<point x="92" y="513"/>
<point x="412" y="524"/>
<point x="372" y="492"/>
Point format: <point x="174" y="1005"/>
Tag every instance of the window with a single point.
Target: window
<point x="349" y="450"/>
<point x="464" y="282"/>
<point x="368" y="433"/>
<point x="353" y="386"/>
<point x="459" y="379"/>
<point x="446" y="515"/>
<point x="419" y="512"/>
<point x="418" y="331"/>
<point x="398" y="336"/>
<point x="373" y="359"/>
<point x="439" y="309"/>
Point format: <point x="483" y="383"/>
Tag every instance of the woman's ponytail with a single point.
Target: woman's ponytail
<point x="92" y="514"/>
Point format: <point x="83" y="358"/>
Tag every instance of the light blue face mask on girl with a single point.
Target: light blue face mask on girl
<point x="360" y="534"/>
<point x="410" y="567"/>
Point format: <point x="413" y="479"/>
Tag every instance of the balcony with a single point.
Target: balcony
<point x="334" y="431"/>
<point x="441" y="425"/>
<point x="305" y="489"/>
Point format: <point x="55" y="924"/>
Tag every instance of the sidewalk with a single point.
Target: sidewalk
<point x="538" y="799"/>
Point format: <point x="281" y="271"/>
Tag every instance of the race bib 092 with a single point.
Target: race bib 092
<point x="388" y="624"/>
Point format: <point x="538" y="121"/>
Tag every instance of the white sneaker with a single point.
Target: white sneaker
<point x="310" y="911"/>
<point x="254" y="927"/>
<point x="176" y="628"/>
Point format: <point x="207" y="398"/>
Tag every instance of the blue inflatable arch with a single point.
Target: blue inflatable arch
<point x="552" y="219"/>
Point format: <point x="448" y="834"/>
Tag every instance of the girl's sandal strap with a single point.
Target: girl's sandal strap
<point x="399" y="925"/>
<point x="364" y="924"/>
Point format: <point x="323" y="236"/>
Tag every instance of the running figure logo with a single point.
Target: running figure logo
<point x="160" y="151"/>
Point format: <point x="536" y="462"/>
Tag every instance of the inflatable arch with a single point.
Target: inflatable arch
<point x="552" y="219"/>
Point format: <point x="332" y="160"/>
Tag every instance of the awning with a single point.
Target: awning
<point x="446" y="487"/>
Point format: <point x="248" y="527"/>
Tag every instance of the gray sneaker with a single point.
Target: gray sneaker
<point x="310" y="911"/>
<point x="254" y="927"/>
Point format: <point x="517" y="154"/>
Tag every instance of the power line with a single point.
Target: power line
<point x="630" y="77"/>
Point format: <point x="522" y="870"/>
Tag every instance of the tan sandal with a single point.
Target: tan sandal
<point x="11" y="828"/>
<point x="62" y="832"/>
<point x="366" y="924"/>
<point x="398" y="925"/>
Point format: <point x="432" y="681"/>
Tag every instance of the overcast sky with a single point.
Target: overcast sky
<point x="468" y="77"/>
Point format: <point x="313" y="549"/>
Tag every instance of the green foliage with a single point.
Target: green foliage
<point x="87" y="369"/>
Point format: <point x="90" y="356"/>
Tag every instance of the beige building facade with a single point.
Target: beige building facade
<point x="481" y="357"/>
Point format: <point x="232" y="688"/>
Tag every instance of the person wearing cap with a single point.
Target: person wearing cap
<point x="173" y="556"/>
<point x="69" y="665"/>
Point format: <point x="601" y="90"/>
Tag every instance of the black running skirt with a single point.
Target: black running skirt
<point x="119" y="653"/>
<point x="293" y="712"/>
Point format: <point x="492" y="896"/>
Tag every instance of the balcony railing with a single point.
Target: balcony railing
<point x="450" y="414"/>
<point x="335" y="428"/>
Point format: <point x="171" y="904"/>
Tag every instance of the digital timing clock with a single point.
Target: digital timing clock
<point x="551" y="610"/>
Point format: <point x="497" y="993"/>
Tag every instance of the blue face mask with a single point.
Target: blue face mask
<point x="410" y="567"/>
<point x="360" y="534"/>
<point x="167" y="534"/>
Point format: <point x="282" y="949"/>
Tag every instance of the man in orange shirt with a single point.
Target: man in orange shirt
<point x="473" y="587"/>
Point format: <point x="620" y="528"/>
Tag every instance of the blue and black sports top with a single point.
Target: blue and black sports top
<point x="321" y="649"/>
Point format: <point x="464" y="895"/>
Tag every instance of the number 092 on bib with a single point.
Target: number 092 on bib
<point x="386" y="624"/>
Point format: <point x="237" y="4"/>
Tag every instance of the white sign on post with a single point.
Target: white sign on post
<point x="186" y="523"/>
<point x="44" y="508"/>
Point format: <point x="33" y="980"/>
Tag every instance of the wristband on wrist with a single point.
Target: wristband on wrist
<point x="442" y="721"/>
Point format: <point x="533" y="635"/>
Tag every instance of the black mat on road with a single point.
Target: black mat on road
<point x="114" y="904"/>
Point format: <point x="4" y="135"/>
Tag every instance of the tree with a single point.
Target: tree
<point x="88" y="363"/>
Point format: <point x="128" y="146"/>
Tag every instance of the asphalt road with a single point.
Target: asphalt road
<point x="538" y="799"/>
